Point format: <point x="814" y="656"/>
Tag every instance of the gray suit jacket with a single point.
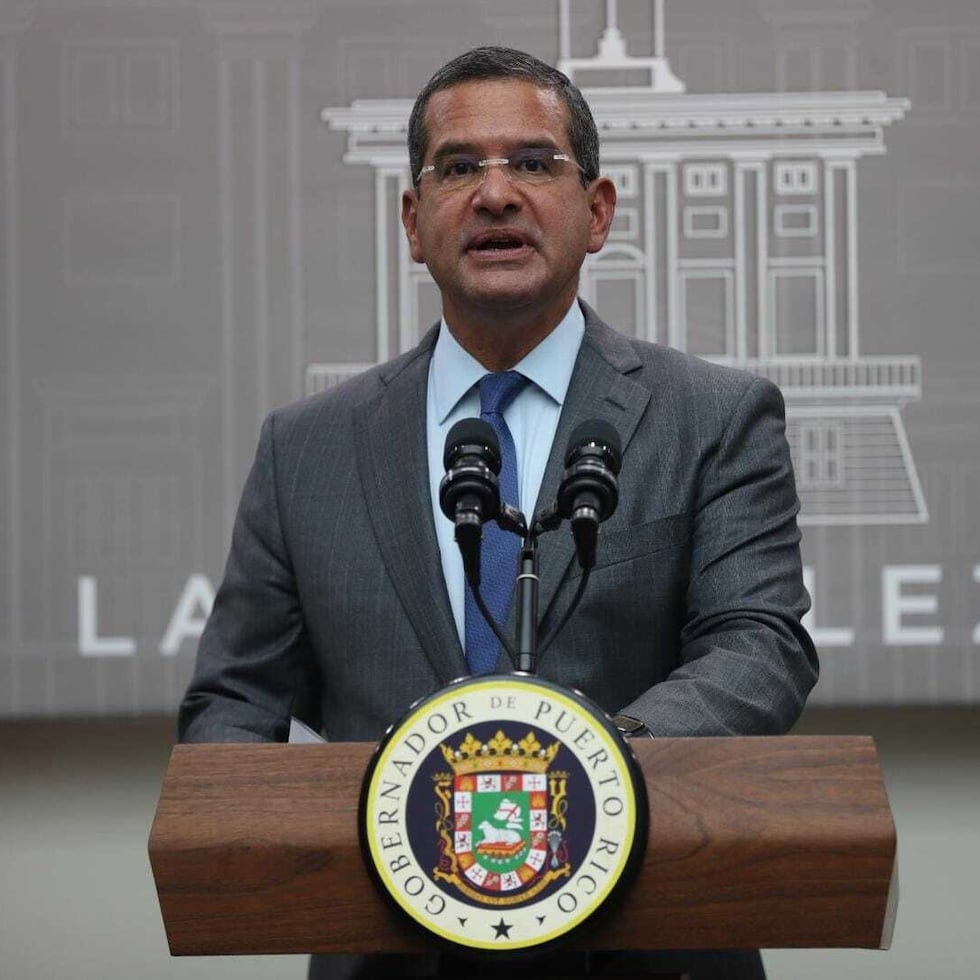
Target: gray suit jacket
<point x="333" y="607"/>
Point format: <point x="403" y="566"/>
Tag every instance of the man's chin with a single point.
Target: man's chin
<point x="501" y="304"/>
<point x="508" y="295"/>
<point x="505" y="290"/>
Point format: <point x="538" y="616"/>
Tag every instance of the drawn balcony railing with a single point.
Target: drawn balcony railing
<point x="321" y="376"/>
<point x="875" y="377"/>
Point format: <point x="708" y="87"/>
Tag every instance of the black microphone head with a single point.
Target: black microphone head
<point x="475" y="435"/>
<point x="598" y="433"/>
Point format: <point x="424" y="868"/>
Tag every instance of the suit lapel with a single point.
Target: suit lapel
<point x="393" y="463"/>
<point x="600" y="389"/>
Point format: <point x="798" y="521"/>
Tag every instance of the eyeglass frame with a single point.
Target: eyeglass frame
<point x="485" y="165"/>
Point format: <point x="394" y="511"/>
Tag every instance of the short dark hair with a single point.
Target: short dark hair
<point x="492" y="62"/>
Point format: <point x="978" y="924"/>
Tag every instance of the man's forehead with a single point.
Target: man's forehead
<point x="509" y="110"/>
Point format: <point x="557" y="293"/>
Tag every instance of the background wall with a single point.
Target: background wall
<point x="185" y="243"/>
<point x="189" y="239"/>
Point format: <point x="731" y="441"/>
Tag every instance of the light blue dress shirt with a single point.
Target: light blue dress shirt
<point x="532" y="419"/>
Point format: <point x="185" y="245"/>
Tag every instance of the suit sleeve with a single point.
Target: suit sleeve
<point x="747" y="663"/>
<point x="254" y="666"/>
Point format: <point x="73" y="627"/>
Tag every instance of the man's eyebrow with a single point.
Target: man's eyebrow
<point x="451" y="149"/>
<point x="534" y="143"/>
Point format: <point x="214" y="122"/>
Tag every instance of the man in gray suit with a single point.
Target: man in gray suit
<point x="343" y="599"/>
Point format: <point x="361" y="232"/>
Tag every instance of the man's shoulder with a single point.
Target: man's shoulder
<point x="338" y="397"/>
<point x="342" y="398"/>
<point x="696" y="371"/>
<point x="667" y="369"/>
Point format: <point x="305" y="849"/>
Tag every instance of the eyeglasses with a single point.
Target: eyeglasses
<point x="532" y="166"/>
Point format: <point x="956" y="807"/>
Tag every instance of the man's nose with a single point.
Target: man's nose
<point x="496" y="192"/>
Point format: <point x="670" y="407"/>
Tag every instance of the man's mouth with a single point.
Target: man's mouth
<point x="498" y="243"/>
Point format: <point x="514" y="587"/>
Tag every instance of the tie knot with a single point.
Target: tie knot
<point x="498" y="390"/>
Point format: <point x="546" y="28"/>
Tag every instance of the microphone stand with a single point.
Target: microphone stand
<point x="527" y="605"/>
<point x="528" y="580"/>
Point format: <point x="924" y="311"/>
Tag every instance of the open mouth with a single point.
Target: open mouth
<point x="499" y="243"/>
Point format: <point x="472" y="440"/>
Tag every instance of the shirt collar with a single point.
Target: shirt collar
<point x="455" y="371"/>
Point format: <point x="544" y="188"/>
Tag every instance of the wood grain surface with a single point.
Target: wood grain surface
<point x="769" y="842"/>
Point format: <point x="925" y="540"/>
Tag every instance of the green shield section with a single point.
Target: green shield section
<point x="501" y="830"/>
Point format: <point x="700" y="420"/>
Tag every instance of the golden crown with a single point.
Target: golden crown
<point x="500" y="753"/>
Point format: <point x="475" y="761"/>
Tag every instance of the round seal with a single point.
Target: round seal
<point x="502" y="812"/>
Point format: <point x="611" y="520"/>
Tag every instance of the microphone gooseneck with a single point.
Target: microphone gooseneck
<point x="589" y="492"/>
<point x="469" y="493"/>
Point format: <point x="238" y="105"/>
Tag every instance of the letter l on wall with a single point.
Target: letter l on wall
<point x="90" y="644"/>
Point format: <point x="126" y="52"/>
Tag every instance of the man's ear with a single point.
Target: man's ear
<point x="410" y="216"/>
<point x="602" y="205"/>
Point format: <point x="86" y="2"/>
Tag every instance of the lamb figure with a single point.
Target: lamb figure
<point x="498" y="835"/>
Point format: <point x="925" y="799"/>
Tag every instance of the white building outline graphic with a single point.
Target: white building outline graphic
<point x="736" y="239"/>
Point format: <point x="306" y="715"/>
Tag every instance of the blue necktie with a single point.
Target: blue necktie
<point x="498" y="554"/>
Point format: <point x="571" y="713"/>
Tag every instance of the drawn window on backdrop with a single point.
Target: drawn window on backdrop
<point x="820" y="460"/>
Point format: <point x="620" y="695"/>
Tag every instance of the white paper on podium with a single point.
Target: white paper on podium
<point x="301" y="733"/>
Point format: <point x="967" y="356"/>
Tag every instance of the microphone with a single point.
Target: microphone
<point x="589" y="491"/>
<point x="469" y="493"/>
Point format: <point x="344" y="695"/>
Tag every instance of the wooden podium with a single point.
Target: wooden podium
<point x="753" y="842"/>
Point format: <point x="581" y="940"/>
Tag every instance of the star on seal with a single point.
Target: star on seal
<point x="502" y="928"/>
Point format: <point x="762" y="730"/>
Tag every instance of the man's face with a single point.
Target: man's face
<point x="502" y="249"/>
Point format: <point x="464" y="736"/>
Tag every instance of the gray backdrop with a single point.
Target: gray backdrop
<point x="198" y="216"/>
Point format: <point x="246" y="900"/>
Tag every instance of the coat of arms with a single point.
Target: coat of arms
<point x="501" y="819"/>
<point x="539" y="806"/>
